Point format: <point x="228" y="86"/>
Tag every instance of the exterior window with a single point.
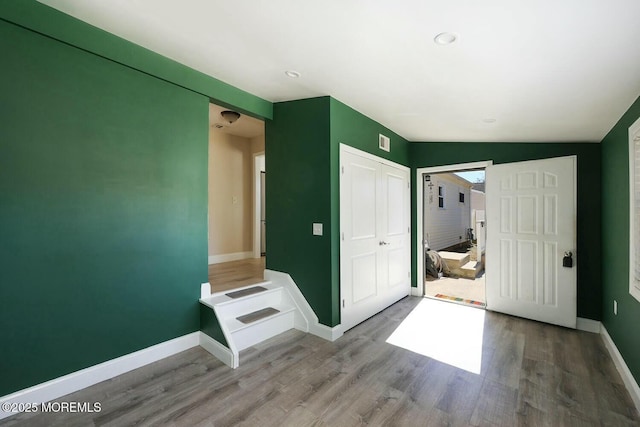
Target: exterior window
<point x="440" y="196"/>
<point x="634" y="214"/>
<point x="461" y="197"/>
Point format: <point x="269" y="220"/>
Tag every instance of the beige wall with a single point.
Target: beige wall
<point x="230" y="193"/>
<point x="257" y="144"/>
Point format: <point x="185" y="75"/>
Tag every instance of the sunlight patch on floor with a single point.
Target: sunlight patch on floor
<point x="449" y="333"/>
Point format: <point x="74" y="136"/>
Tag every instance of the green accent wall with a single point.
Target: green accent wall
<point x="615" y="242"/>
<point x="303" y="187"/>
<point x="589" y="198"/>
<point x="298" y="193"/>
<point x="209" y="325"/>
<point x="103" y="224"/>
<point x="57" y="25"/>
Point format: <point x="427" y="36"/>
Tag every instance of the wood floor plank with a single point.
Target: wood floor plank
<point x="236" y="274"/>
<point x="496" y="405"/>
<point x="460" y="397"/>
<point x="531" y="375"/>
<point x="505" y="364"/>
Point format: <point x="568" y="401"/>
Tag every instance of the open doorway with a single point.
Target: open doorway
<point x="454" y="235"/>
<point x="236" y="199"/>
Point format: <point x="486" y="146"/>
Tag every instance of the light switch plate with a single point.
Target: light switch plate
<point x="317" y="229"/>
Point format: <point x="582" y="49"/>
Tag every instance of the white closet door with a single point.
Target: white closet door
<point x="375" y="238"/>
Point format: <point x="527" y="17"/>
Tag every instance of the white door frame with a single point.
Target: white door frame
<point x="419" y="290"/>
<point x="258" y="160"/>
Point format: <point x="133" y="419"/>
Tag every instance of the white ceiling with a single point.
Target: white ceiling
<point x="545" y="70"/>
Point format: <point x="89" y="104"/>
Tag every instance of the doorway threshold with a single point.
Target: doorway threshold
<point x="458" y="290"/>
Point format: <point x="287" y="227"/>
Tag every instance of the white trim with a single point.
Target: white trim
<point x="313" y="325"/>
<point x="417" y="291"/>
<point x="258" y="159"/>
<point x="634" y="130"/>
<point x="420" y="208"/>
<point x="325" y="332"/>
<point x="83" y="378"/>
<point x="219" y="351"/>
<point x="623" y="369"/>
<point x="217" y="259"/>
<point x="352" y="150"/>
<point x="588" y="325"/>
<point x="205" y="290"/>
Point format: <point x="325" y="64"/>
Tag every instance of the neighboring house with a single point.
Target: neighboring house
<point x="447" y="210"/>
<point x="478" y="186"/>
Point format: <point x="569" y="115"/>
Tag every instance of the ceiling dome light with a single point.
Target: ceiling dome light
<point x="445" y="38"/>
<point x="230" y="116"/>
<point x="292" y="74"/>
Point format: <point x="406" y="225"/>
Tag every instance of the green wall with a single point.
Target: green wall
<point x="303" y="187"/>
<point x="48" y="21"/>
<point x="103" y="182"/>
<point x="589" y="199"/>
<point x="210" y="325"/>
<point x="297" y="155"/>
<point x="615" y="242"/>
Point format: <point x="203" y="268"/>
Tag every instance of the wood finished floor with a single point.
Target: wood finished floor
<point x="532" y="375"/>
<point x="235" y="274"/>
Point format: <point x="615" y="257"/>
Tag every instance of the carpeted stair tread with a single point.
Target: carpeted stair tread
<point x="257" y="315"/>
<point x="245" y="292"/>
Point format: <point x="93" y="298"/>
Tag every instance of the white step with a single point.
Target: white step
<point x="239" y="335"/>
<point x="470" y="270"/>
<point x="249" y="334"/>
<point x="454" y="260"/>
<point x="228" y="307"/>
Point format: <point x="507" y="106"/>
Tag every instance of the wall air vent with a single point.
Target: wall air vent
<point x="384" y="143"/>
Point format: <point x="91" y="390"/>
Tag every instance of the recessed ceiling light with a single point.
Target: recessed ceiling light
<point x="292" y="74"/>
<point x="445" y="38"/>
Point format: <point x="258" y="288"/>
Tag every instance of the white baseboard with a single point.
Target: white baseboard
<point x="623" y="369"/>
<point x="314" y="326"/>
<point x="219" y="351"/>
<point x="326" y="332"/>
<point x="83" y="378"/>
<point x="588" y="325"/>
<point x="217" y="259"/>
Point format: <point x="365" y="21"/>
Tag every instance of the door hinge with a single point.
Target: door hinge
<point x="342" y="170"/>
<point x="342" y="303"/>
<point x="409" y="230"/>
<point x="343" y="235"/>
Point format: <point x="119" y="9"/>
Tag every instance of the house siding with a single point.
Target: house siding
<point x="445" y="227"/>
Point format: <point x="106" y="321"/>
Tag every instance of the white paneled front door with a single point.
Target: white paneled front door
<point x="375" y="235"/>
<point x="531" y="224"/>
